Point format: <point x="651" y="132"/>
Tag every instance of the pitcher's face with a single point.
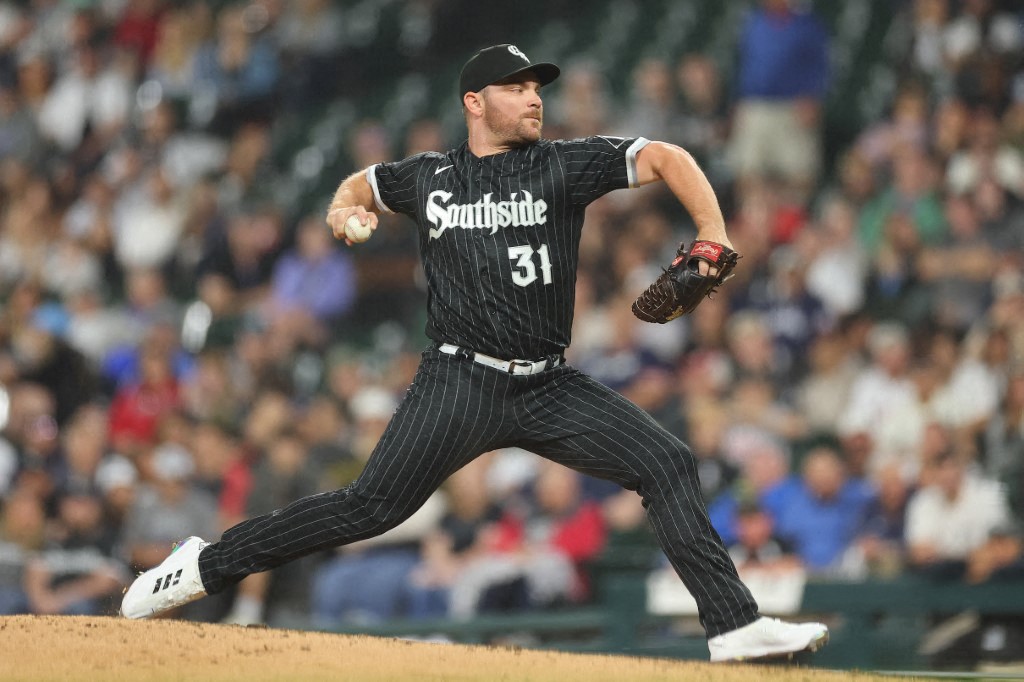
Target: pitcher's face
<point x="513" y="110"/>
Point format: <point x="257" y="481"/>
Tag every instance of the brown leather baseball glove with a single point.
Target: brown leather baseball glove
<point x="681" y="287"/>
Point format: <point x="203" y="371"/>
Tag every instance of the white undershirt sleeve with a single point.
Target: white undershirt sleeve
<point x="371" y="177"/>
<point x="634" y="149"/>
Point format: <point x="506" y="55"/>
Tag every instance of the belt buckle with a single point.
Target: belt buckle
<point x="520" y="363"/>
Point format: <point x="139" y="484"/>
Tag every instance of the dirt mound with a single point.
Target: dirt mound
<point x="111" y="649"/>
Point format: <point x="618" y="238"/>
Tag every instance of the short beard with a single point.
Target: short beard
<point x="513" y="132"/>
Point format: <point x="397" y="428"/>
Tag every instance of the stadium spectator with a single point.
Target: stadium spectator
<point x="238" y="71"/>
<point x="764" y="480"/>
<point x="310" y="35"/>
<point x="980" y="27"/>
<point x="757" y="547"/>
<point x="1003" y="451"/>
<point x="881" y="390"/>
<point x="1000" y="558"/>
<point x="952" y="517"/>
<point x="326" y="432"/>
<point x="34" y="434"/>
<point x="22" y="533"/>
<point x="782" y="79"/>
<point x="35" y="75"/>
<point x="906" y="127"/>
<point x="116" y="480"/>
<point x="701" y="123"/>
<point x="371" y="407"/>
<point x="958" y="272"/>
<point x="535" y="557"/>
<point x="178" y="35"/>
<point x="463" y="534"/>
<point x="55" y="27"/>
<point x="367" y="581"/>
<point x="8" y="464"/>
<point x="76" y="570"/>
<point x="313" y="285"/>
<point x="824" y="392"/>
<point x="856" y="180"/>
<point x="223" y="468"/>
<point x="825" y="513"/>
<point x="950" y="123"/>
<point x="622" y="360"/>
<point x="794" y="315"/>
<point x="582" y="106"/>
<point x="244" y="255"/>
<point x="282" y="475"/>
<point x="208" y="393"/>
<point x="148" y="222"/>
<point x="707" y="423"/>
<point x="138" y="406"/>
<point x="928" y="25"/>
<point x="836" y="262"/>
<point x="905" y="215"/>
<point x="881" y="540"/>
<point x="93" y="96"/>
<point x="967" y="395"/>
<point x="83" y="448"/>
<point x="28" y="230"/>
<point x="424" y="135"/>
<point x="652" y="109"/>
<point x="246" y="182"/>
<point x="998" y="213"/>
<point x="165" y="507"/>
<point x="136" y="30"/>
<point x="43" y="357"/>
<point x="19" y="135"/>
<point x="986" y="156"/>
<point x="759" y="416"/>
<point x="752" y="349"/>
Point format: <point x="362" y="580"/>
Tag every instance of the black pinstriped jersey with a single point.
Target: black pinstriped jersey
<point x="499" y="235"/>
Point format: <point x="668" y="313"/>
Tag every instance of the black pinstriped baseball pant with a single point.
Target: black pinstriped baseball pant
<point x="457" y="409"/>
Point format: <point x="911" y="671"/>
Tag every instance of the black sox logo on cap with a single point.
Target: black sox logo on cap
<point x="498" y="62"/>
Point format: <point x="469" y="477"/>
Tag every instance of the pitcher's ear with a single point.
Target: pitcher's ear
<point x="473" y="102"/>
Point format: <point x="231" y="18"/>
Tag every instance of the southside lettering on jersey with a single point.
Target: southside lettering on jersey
<point x="483" y="214"/>
<point x="499" y="235"/>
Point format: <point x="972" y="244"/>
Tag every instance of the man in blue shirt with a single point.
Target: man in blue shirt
<point x="826" y="513"/>
<point x="783" y="75"/>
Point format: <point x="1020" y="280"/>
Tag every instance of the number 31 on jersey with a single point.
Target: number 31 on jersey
<point x="524" y="272"/>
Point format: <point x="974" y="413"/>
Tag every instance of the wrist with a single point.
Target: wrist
<point x="718" y="237"/>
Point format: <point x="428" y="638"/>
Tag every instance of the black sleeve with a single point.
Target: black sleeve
<point x="597" y="165"/>
<point x="396" y="184"/>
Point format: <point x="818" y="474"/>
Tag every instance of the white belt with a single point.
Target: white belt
<point x="510" y="366"/>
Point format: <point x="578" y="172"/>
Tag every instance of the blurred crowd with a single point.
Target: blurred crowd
<point x="181" y="348"/>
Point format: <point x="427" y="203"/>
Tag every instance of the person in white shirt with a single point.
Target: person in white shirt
<point x="881" y="393"/>
<point x="91" y="93"/>
<point x="952" y="516"/>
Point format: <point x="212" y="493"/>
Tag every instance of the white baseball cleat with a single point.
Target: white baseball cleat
<point x="767" y="638"/>
<point x="173" y="583"/>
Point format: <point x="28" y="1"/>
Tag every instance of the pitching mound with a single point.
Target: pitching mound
<point x="111" y="649"/>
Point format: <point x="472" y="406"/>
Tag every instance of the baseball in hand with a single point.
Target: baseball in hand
<point x="355" y="231"/>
